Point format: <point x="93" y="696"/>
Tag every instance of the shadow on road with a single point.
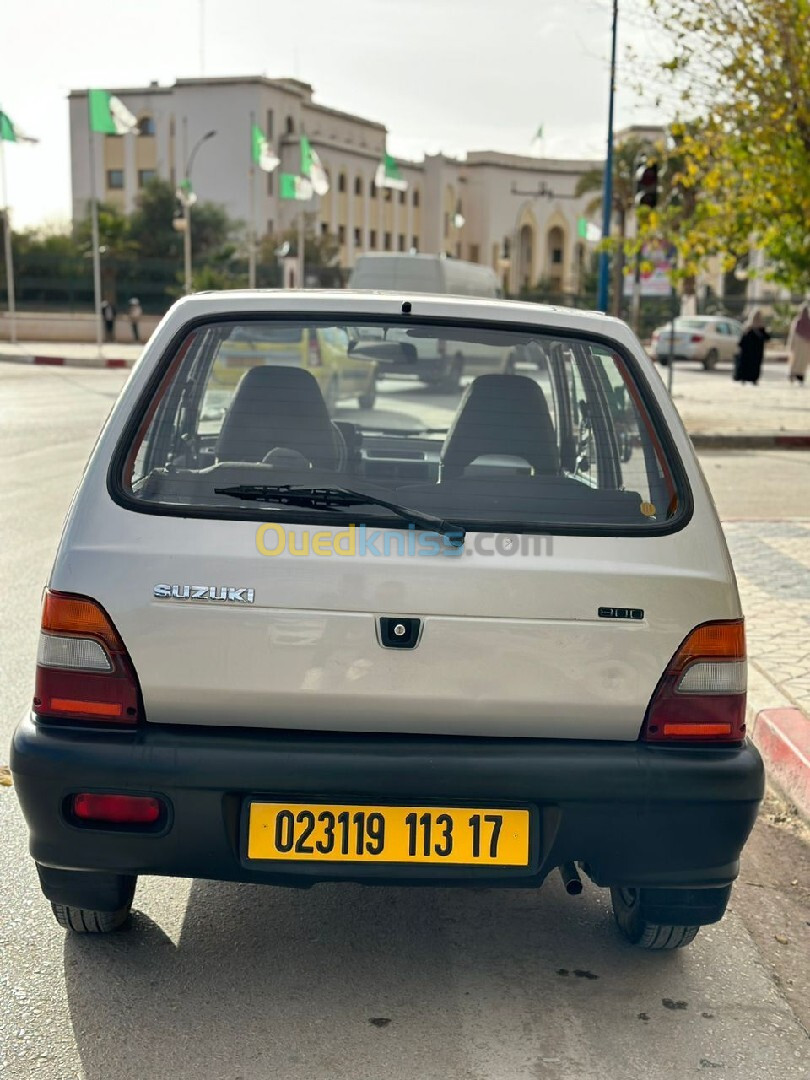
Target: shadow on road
<point x="345" y="981"/>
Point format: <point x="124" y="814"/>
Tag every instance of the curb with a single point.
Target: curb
<point x="782" y="736"/>
<point x="99" y="362"/>
<point x="764" y="441"/>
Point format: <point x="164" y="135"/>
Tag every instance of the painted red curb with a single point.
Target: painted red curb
<point x="792" y="440"/>
<point x="783" y="738"/>
<point x="61" y="361"/>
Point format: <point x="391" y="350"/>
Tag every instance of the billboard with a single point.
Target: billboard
<point x="658" y="260"/>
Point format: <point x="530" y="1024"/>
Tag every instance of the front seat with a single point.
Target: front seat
<point x="279" y="407"/>
<point x="505" y="415"/>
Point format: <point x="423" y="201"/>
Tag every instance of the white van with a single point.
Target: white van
<point x="424" y="274"/>
<point x="456" y="643"/>
<point x="430" y="359"/>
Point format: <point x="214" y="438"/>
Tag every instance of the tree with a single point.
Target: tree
<point x="321" y="252"/>
<point x="740" y="72"/>
<point x="626" y="157"/>
<point x="154" y="235"/>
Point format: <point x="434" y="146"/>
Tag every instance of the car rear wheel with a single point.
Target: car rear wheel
<point x="629" y="911"/>
<point x="87" y="921"/>
<point x="452" y="380"/>
<point x="710" y="363"/>
<point x="366" y="401"/>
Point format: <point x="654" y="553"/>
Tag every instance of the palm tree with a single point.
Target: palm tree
<point x="626" y="158"/>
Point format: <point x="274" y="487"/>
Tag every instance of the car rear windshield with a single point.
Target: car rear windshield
<point x="479" y="425"/>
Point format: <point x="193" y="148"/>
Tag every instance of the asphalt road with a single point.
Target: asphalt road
<point x="221" y="981"/>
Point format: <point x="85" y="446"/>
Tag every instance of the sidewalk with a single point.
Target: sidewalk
<point x="721" y="414"/>
<point x="772" y="561"/>
<point x="72" y="354"/>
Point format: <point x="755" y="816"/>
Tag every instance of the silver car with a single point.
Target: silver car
<point x="443" y="641"/>
<point x="707" y="339"/>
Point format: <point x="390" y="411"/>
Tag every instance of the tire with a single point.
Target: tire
<point x="366" y="401"/>
<point x="628" y="911"/>
<point x="710" y="363"/>
<point x="86" y="921"/>
<point x="451" y="382"/>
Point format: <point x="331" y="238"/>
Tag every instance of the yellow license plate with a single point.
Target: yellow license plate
<point x="465" y="836"/>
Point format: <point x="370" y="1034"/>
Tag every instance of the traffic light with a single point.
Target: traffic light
<point x="647" y="184"/>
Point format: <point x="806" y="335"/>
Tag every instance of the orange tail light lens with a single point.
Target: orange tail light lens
<point x="702" y="694"/>
<point x="84" y="673"/>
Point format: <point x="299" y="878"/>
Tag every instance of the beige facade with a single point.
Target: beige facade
<point x="519" y="215"/>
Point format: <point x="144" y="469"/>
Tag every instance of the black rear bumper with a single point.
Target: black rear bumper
<point x="635" y="815"/>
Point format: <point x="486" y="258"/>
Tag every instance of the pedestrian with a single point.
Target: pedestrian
<point x="751" y="349"/>
<point x="798" y="344"/>
<point x="108" y="314"/>
<point x="135" y="312"/>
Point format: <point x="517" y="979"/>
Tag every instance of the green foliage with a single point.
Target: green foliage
<point x="142" y="254"/>
<point x="743" y="78"/>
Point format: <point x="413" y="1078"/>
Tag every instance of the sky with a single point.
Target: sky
<point x="442" y="75"/>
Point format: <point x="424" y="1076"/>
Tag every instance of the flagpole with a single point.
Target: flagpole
<point x="252" y="211"/>
<point x="12" y="312"/>
<point x="301" y="248"/>
<point x="94" y="234"/>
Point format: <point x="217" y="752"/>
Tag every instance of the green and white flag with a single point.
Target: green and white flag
<point x="295" y="187"/>
<point x="10" y="132"/>
<point x="261" y="153"/>
<point x="312" y="168"/>
<point x="389" y="176"/>
<point x="108" y="114"/>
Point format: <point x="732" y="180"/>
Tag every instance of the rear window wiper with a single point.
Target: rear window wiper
<point x="332" y="498"/>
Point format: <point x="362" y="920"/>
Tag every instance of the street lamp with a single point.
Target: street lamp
<point x="187" y="197"/>
<point x="607" y="196"/>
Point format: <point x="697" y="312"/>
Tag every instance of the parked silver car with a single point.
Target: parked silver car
<point x="708" y="339"/>
<point x="459" y="642"/>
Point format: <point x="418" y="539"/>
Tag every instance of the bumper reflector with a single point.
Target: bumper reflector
<point x="117" y="809"/>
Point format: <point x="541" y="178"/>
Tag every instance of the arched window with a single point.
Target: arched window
<point x="358" y="185"/>
<point x="342" y="181"/>
<point x="146" y="125"/>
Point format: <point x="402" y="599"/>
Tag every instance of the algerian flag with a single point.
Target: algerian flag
<point x="295" y="187"/>
<point x="311" y="166"/>
<point x="537" y="141"/>
<point x="108" y="114"/>
<point x="262" y="155"/>
<point x="9" y="132"/>
<point x="389" y="176"/>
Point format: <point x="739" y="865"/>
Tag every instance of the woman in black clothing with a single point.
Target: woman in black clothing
<point x="751" y="349"/>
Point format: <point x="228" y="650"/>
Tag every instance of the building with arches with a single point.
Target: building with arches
<point x="519" y="215"/>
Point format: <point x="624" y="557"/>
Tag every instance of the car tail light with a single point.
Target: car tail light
<point x="117" y="809"/>
<point x="315" y="360"/>
<point x="701" y="696"/>
<point x="84" y="672"/>
<point x="696" y="339"/>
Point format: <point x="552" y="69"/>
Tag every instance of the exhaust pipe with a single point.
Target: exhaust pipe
<point x="571" y="880"/>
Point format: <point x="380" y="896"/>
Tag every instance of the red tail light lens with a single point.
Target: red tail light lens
<point x="701" y="696"/>
<point x="117" y="809"/>
<point x="315" y="360"/>
<point x="696" y="339"/>
<point x="84" y="672"/>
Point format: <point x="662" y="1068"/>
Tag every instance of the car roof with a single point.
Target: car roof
<point x="359" y="302"/>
